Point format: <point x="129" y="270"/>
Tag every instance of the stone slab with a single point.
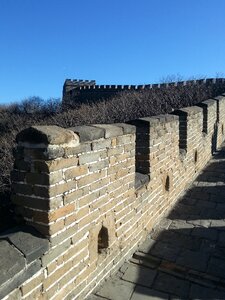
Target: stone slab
<point x="11" y="261"/>
<point x="110" y="130"/>
<point x="116" y="289"/>
<point x="143" y="293"/>
<point x="88" y="133"/>
<point x="139" y="275"/>
<point x="20" y="278"/>
<point x="171" y="284"/>
<point x="29" y="242"/>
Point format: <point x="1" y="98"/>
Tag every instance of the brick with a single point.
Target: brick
<point x="22" y="188"/>
<point x="55" y="165"/>
<point x="23" y="165"/>
<point x="72" y="197"/>
<point x="88" y="219"/>
<point x="101" y="144"/>
<point x="99" y="165"/>
<point x="75" y="172"/>
<point x="31" y="202"/>
<point x="82" y="148"/>
<point x="99" y="184"/>
<point x="115" y="151"/>
<point x="32" y="284"/>
<point x="53" y="253"/>
<point x="55" y="190"/>
<point x="90" y="178"/>
<point x="64" y="235"/>
<point x="44" y="179"/>
<point x="61" y="212"/>
<point x="18" y="176"/>
<point x="91" y="157"/>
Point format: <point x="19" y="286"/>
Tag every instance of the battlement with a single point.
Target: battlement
<point x="84" y="90"/>
<point x="94" y="192"/>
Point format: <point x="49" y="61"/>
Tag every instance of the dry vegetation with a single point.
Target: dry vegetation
<point x="123" y="107"/>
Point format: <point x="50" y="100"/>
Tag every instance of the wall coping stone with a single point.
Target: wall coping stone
<point x="110" y="130"/>
<point x="220" y="98"/>
<point x="191" y="110"/>
<point x="127" y="128"/>
<point x="88" y="133"/>
<point x="47" y="135"/>
<point x="154" y="120"/>
<point x="20" y="250"/>
<point x="209" y="102"/>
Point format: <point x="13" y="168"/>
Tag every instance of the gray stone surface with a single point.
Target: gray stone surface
<point x="110" y="130"/>
<point x="11" y="261"/>
<point x="139" y="275"/>
<point x="201" y="292"/>
<point x="19" y="278"/>
<point x="140" y="179"/>
<point x="20" y="252"/>
<point x="116" y="289"/>
<point x="29" y="242"/>
<point x="88" y="133"/>
<point x="47" y="135"/>
<point x="143" y="293"/>
<point x="171" y="284"/>
<point x="127" y="128"/>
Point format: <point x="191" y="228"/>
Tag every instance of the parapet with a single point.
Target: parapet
<point x="94" y="192"/>
<point x="84" y="90"/>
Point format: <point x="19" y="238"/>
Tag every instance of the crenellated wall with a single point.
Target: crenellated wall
<point x="86" y="90"/>
<point x="94" y="192"/>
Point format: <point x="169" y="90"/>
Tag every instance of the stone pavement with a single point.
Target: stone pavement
<point x="184" y="256"/>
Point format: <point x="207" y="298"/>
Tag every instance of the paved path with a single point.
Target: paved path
<point x="184" y="256"/>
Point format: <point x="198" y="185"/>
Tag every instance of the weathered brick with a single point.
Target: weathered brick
<point x="22" y="188"/>
<point x="72" y="197"/>
<point x="53" y="253"/>
<point x="44" y="179"/>
<point x="58" y="189"/>
<point x="62" y="212"/>
<point x="90" y="178"/>
<point x="91" y="157"/>
<point x="101" y="144"/>
<point x="64" y="235"/>
<point x="82" y="148"/>
<point x="76" y="172"/>
<point x="32" y="284"/>
<point x="99" y="165"/>
<point x="18" y="176"/>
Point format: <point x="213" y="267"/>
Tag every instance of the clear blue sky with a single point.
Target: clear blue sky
<point x="43" y="42"/>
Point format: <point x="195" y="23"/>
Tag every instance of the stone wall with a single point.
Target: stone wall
<point x="87" y="90"/>
<point x="94" y="192"/>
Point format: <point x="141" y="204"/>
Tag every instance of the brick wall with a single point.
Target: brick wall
<point x="96" y="191"/>
<point x="87" y="90"/>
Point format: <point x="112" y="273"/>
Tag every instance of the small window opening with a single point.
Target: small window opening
<point x="103" y="239"/>
<point x="222" y="129"/>
<point x="196" y="156"/>
<point x="167" y="184"/>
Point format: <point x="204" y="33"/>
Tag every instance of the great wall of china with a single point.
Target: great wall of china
<point x="89" y="195"/>
<point x="88" y="90"/>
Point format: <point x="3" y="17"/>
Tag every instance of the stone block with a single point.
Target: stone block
<point x="88" y="133"/>
<point x="110" y="130"/>
<point x="20" y="278"/>
<point x="127" y="128"/>
<point x="53" y="135"/>
<point x="11" y="262"/>
<point x="29" y="242"/>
